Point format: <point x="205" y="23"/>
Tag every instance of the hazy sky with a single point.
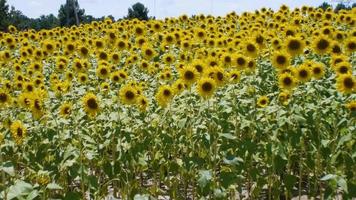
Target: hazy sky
<point x="161" y="9"/>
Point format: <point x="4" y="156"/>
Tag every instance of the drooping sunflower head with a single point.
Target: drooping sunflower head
<point x="91" y="104"/>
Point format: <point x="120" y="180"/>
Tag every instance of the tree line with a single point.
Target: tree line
<point x="69" y="14"/>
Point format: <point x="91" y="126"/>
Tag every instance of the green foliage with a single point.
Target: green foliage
<point x="4" y="15"/>
<point x="70" y="14"/>
<point x="325" y="6"/>
<point x="138" y="11"/>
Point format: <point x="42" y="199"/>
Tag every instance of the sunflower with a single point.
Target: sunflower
<point x="128" y="94"/>
<point x="103" y="71"/>
<point x="164" y="95"/>
<point x="262" y="101"/>
<point x="65" y="109"/>
<point x="206" y="87"/>
<point x="168" y="58"/>
<point x="294" y="46"/>
<point x="37" y="107"/>
<point x="350" y="45"/>
<point x="234" y="76"/>
<point x="303" y="73"/>
<point x="5" y="98"/>
<point x="147" y="52"/>
<point x="142" y="103"/>
<point x="343" y="68"/>
<point x="240" y="61"/>
<point x="287" y="81"/>
<point x="280" y="59"/>
<point x="283" y="97"/>
<point x="318" y="70"/>
<point x="178" y="86"/>
<point x="189" y="75"/>
<point x="351" y="106"/>
<point x="346" y="84"/>
<point x="83" y="78"/>
<point x="2" y="138"/>
<point x="18" y="132"/>
<point x="322" y="45"/>
<point x="250" y="49"/>
<point x="91" y="104"/>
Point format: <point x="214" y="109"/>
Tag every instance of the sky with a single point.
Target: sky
<point x="158" y="8"/>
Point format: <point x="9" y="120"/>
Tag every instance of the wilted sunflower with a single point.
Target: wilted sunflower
<point x="128" y="94"/>
<point x="346" y="83"/>
<point x="287" y="81"/>
<point x="303" y="73"/>
<point x="206" y="87"/>
<point x="18" y="132"/>
<point x="280" y="59"/>
<point x="65" y="109"/>
<point x="262" y="101"/>
<point x="91" y="104"/>
<point x="164" y="95"/>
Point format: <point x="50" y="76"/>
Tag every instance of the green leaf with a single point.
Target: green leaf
<point x="20" y="189"/>
<point x="73" y="196"/>
<point x="227" y="136"/>
<point x="343" y="184"/>
<point x="141" y="197"/>
<point x="8" y="168"/>
<point x="290" y="181"/>
<point x="205" y="177"/>
<point x="328" y="177"/>
<point x="54" y="186"/>
<point x="33" y="195"/>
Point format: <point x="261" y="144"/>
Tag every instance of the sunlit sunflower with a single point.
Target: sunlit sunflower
<point x="287" y="81"/>
<point x="103" y="71"/>
<point x="189" y="75"/>
<point x="351" y="106"/>
<point x="284" y="97"/>
<point x="318" y="70"/>
<point x="250" y="48"/>
<point x="321" y="45"/>
<point x="18" y="132"/>
<point x="350" y="45"/>
<point x="234" y="76"/>
<point x="65" y="109"/>
<point x="240" y="61"/>
<point x="303" y="73"/>
<point x="91" y="104"/>
<point x="142" y="103"/>
<point x="5" y="98"/>
<point x="262" y="101"/>
<point x="294" y="46"/>
<point x="343" y="68"/>
<point x="164" y="95"/>
<point x="206" y="87"/>
<point x="280" y="59"/>
<point x="128" y="95"/>
<point x="346" y="83"/>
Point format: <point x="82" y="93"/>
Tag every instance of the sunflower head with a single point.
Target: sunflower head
<point x="128" y="94"/>
<point x="91" y="104"/>
<point x="189" y="75"/>
<point x="346" y="83"/>
<point x="280" y="59"/>
<point x="18" y="132"/>
<point x="303" y="73"/>
<point x="287" y="81"/>
<point x="65" y="109"/>
<point x="206" y="87"/>
<point x="294" y="46"/>
<point x="164" y="95"/>
<point x="262" y="101"/>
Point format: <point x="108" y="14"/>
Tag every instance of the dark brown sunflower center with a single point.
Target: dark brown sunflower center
<point x="207" y="87"/>
<point x="189" y="75"/>
<point x="303" y="73"/>
<point x="251" y="48"/>
<point x="129" y="95"/>
<point x="263" y="102"/>
<point x="281" y="60"/>
<point x="287" y="81"/>
<point x="316" y="70"/>
<point x="92" y="104"/>
<point x="323" y="44"/>
<point x="351" y="45"/>
<point x="167" y="93"/>
<point x="3" y="97"/>
<point x="349" y="83"/>
<point x="103" y="71"/>
<point x="294" y="45"/>
<point x="66" y="110"/>
<point x="19" y="132"/>
<point x="241" y="61"/>
<point x="220" y="76"/>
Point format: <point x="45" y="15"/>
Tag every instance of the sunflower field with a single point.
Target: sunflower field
<point x="257" y="105"/>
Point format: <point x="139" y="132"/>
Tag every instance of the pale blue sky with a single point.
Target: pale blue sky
<point x="163" y="8"/>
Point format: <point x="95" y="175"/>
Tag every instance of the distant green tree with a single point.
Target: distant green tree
<point x="341" y="6"/>
<point x="4" y="15"/>
<point x="325" y="6"/>
<point x="70" y="14"/>
<point x="47" y="22"/>
<point x="139" y="11"/>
